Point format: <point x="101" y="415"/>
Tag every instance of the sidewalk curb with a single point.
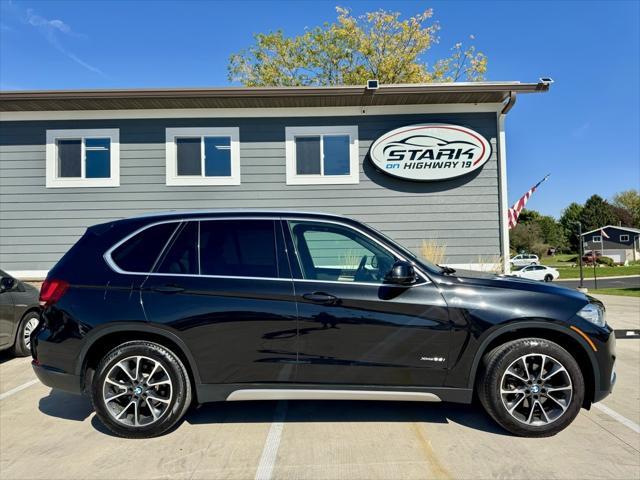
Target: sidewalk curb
<point x="577" y="279"/>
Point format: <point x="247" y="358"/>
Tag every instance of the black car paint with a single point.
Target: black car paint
<point x="237" y="333"/>
<point x="15" y="303"/>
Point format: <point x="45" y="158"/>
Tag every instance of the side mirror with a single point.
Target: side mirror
<point x="402" y="273"/>
<point x="7" y="283"/>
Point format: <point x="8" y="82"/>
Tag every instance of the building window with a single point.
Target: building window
<point x="203" y="156"/>
<point x="322" y="155"/>
<point x="83" y="158"/>
<point x="597" y="238"/>
<point x="624" y="238"/>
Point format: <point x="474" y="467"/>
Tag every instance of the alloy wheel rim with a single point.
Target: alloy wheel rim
<point x="29" y="327"/>
<point x="137" y="391"/>
<point x="536" y="389"/>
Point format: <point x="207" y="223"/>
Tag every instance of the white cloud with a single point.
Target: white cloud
<point x="52" y="29"/>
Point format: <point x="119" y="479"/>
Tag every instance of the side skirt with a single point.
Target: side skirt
<point x="287" y="391"/>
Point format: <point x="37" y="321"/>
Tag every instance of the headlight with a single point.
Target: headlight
<point x="593" y="313"/>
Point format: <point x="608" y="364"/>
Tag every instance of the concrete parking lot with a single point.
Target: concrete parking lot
<point x="49" y="434"/>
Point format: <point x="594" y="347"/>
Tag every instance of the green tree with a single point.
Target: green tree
<point x="569" y="219"/>
<point x="596" y="213"/>
<point x="524" y="237"/>
<point x="629" y="201"/>
<point x="352" y="50"/>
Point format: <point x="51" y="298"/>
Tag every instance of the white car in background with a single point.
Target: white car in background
<point x="524" y="259"/>
<point x="537" y="272"/>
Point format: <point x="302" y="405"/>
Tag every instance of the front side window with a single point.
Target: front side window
<point x="83" y="158"/>
<point x="597" y="238"/>
<point x="322" y="155"/>
<point x="329" y="252"/>
<point x="624" y="238"/>
<point x="203" y="156"/>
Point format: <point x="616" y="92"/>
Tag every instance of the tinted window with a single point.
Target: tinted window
<point x="242" y="248"/>
<point x="308" y="155"/>
<point x="98" y="157"/>
<point x="181" y="256"/>
<point x="139" y="253"/>
<point x="69" y="158"/>
<point x="336" y="154"/>
<point x="217" y="156"/>
<point x="189" y="156"/>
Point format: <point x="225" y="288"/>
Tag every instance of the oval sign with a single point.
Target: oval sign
<point x="427" y="152"/>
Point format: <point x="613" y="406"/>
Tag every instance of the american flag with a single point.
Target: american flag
<point x="514" y="212"/>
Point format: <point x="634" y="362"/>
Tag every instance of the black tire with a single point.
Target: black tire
<point x="548" y="278"/>
<point x="496" y="362"/>
<point x="20" y="347"/>
<point x="180" y="398"/>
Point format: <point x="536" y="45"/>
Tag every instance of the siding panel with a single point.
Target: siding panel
<point x="37" y="225"/>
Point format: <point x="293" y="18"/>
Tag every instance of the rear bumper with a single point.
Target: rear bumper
<point x="57" y="379"/>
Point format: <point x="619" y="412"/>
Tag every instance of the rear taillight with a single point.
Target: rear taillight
<point x="52" y="291"/>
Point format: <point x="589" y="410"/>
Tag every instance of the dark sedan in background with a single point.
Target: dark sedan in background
<point x="19" y="314"/>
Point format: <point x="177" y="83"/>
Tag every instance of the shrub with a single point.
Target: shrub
<point x="608" y="261"/>
<point x="432" y="251"/>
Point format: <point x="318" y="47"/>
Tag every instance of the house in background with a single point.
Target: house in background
<point x="621" y="244"/>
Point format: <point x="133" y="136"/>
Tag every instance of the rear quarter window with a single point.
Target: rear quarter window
<point x="140" y="252"/>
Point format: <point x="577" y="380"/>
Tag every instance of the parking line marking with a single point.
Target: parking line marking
<point x="18" y="388"/>
<point x="272" y="443"/>
<point x="615" y="415"/>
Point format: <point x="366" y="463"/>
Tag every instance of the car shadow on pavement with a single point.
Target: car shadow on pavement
<point x="78" y="408"/>
<point x="472" y="416"/>
<point x="66" y="405"/>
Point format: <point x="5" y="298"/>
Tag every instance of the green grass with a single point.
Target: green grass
<point x="574" y="272"/>
<point x="625" y="292"/>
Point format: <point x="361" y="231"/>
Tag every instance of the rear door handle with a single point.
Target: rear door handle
<point x="169" y="289"/>
<point x="320" y="297"/>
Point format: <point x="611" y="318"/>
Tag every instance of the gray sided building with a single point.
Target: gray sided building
<point x="621" y="244"/>
<point x="71" y="159"/>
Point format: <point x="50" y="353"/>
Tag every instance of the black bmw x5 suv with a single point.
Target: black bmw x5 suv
<point x="148" y="315"/>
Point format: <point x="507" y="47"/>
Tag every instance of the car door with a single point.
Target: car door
<point x="353" y="328"/>
<point x="225" y="286"/>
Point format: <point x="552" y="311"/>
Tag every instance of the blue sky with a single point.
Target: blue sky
<point x="585" y="132"/>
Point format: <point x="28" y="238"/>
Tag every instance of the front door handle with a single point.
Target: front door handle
<point x="320" y="297"/>
<point x="172" y="288"/>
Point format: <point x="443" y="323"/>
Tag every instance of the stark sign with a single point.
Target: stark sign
<point x="430" y="152"/>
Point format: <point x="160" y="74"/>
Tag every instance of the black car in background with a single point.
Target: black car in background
<point x="19" y="314"/>
<point x="150" y="314"/>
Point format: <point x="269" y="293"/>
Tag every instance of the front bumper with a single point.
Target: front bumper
<point x="606" y="356"/>
<point x="57" y="379"/>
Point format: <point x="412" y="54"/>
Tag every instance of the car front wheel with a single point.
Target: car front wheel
<point x="140" y="389"/>
<point x="548" y="278"/>
<point x="532" y="387"/>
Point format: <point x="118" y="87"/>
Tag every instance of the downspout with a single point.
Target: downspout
<point x="502" y="169"/>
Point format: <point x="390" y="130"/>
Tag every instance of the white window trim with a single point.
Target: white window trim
<point x="596" y="239"/>
<point x="624" y="238"/>
<point x="52" y="179"/>
<point x="172" y="160"/>
<point x="354" y="156"/>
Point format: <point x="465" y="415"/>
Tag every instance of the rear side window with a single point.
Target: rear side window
<point x="182" y="255"/>
<point x="139" y="253"/>
<point x="241" y="248"/>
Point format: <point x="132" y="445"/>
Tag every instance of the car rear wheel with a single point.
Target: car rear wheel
<point x="140" y="390"/>
<point x="532" y="387"/>
<point x="548" y="278"/>
<point x="22" y="345"/>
